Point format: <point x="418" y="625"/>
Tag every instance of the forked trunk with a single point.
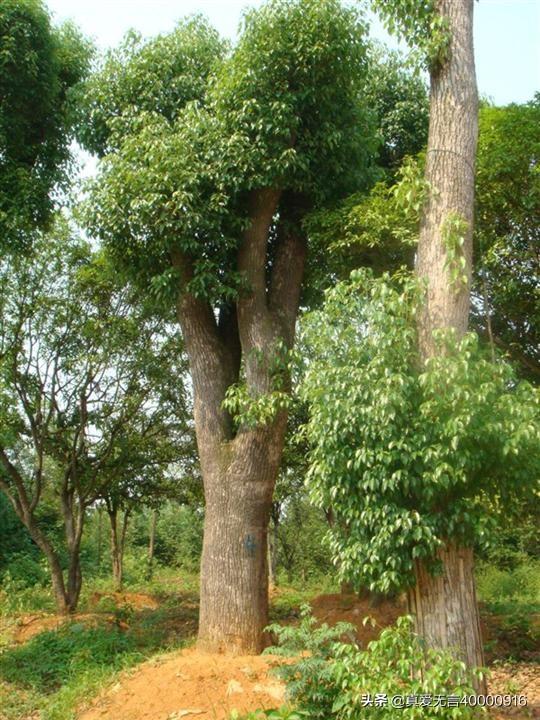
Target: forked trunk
<point x="445" y="607"/>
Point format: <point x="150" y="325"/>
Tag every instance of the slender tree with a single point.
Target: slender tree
<point x="78" y="364"/>
<point x="445" y="605"/>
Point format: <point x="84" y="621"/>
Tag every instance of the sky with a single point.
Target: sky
<point x="507" y="33"/>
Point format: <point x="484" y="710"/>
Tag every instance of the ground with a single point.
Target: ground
<point x="37" y="665"/>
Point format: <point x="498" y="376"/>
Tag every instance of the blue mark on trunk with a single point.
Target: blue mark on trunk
<point x="251" y="545"/>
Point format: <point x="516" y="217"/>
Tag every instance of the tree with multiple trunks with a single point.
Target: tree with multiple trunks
<point x="81" y="367"/>
<point x="201" y="196"/>
<point x="40" y="67"/>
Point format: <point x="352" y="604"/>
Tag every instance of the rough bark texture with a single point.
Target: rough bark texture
<point x="240" y="466"/>
<point x="445" y="607"/>
<point x="450" y="163"/>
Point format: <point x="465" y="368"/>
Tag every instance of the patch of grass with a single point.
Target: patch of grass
<point x="56" y="671"/>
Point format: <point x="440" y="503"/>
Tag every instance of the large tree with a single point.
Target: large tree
<point x="202" y="197"/>
<point x="444" y="604"/>
<point x="40" y="66"/>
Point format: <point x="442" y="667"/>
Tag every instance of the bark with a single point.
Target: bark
<point x="152" y="542"/>
<point x="445" y="607"/>
<point x="450" y="163"/>
<point x="234" y="567"/>
<point x="118" y="542"/>
<point x="239" y="467"/>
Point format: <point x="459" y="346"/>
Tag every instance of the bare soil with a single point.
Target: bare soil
<point x="188" y="684"/>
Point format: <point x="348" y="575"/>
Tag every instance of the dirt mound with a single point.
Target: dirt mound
<point x="189" y="685"/>
<point x="31" y="625"/>
<point x="336" y="608"/>
<point x="138" y="601"/>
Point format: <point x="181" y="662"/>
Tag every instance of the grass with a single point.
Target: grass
<point x="55" y="671"/>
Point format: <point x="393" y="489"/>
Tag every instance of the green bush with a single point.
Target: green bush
<point x="520" y="584"/>
<point x="333" y="679"/>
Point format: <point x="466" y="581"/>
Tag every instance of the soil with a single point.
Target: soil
<point x="138" y="601"/>
<point x="30" y="625"/>
<point x="189" y="684"/>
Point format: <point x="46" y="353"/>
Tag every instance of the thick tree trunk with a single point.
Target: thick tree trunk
<point x="234" y="567"/>
<point x="445" y="607"/>
<point x="240" y="466"/>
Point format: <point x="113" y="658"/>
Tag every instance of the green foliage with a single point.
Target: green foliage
<point x="176" y="182"/>
<point x="51" y="659"/>
<point x="398" y="97"/>
<point x="454" y="231"/>
<point x="520" y="584"/>
<point x="330" y="678"/>
<point x="158" y="76"/>
<point x="283" y="713"/>
<point x="39" y="68"/>
<point x="309" y="680"/>
<point x="405" y="454"/>
<point x="418" y="24"/>
<point x="507" y="234"/>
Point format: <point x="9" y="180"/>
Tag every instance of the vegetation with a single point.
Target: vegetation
<point x="176" y="466"/>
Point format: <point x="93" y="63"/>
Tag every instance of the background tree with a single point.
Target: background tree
<point x="144" y="472"/>
<point x="78" y="364"/>
<point x="40" y="67"/>
<point x="506" y="305"/>
<point x="206" y="204"/>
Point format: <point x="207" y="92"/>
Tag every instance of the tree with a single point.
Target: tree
<point x="78" y="364"/>
<point x="40" y="67"/>
<point x="411" y="456"/>
<point x="505" y="305"/>
<point x="202" y="198"/>
<point x="445" y="605"/>
<point x="147" y="470"/>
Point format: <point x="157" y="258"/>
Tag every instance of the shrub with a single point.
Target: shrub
<point x="333" y="679"/>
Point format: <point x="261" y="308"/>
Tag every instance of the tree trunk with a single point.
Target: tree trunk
<point x="450" y="171"/>
<point x="152" y="542"/>
<point x="240" y="465"/>
<point x="445" y="607"/>
<point x="117" y="549"/>
<point x="99" y="536"/>
<point x="234" y="565"/>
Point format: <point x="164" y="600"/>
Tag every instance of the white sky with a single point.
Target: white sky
<point x="507" y="33"/>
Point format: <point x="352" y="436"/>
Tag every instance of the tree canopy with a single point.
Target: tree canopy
<point x="40" y="67"/>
